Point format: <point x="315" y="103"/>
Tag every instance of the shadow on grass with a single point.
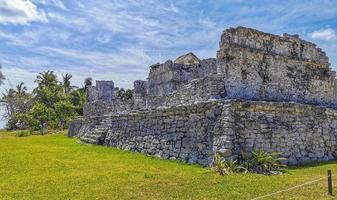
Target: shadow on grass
<point x="313" y="164"/>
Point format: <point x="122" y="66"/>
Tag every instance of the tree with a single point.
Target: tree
<point x="21" y="89"/>
<point x="78" y="98"/>
<point x="46" y="79"/>
<point x="65" y="111"/>
<point x="87" y="83"/>
<point x="16" y="101"/>
<point x="66" y="84"/>
<point x="8" y="100"/>
<point x="124" y="94"/>
<point x="48" y="90"/>
<point x="42" y="114"/>
<point x="52" y="103"/>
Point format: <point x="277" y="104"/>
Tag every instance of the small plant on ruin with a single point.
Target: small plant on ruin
<point x="264" y="162"/>
<point x="226" y="167"/>
<point x="218" y="165"/>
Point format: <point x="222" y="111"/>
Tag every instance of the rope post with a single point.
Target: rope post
<point x="329" y="182"/>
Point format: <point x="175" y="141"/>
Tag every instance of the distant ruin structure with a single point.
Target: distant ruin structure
<point x="262" y="91"/>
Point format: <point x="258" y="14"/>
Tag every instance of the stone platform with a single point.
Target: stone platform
<point x="193" y="133"/>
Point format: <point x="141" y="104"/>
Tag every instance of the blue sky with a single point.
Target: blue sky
<point x="118" y="40"/>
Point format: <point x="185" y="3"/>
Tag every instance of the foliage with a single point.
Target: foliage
<point x="16" y="101"/>
<point x="52" y="103"/>
<point x="46" y="79"/>
<point x="258" y="162"/>
<point x="218" y="165"/>
<point x="65" y="111"/>
<point x="87" y="83"/>
<point x="77" y="98"/>
<point x="66" y="84"/>
<point x="264" y="162"/>
<point x="37" y="118"/>
<point x="23" y="133"/>
<point x="226" y="167"/>
<point x="41" y="113"/>
<point x="124" y="94"/>
<point x="27" y="121"/>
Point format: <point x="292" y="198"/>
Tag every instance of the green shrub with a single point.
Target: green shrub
<point x="23" y="134"/>
<point x="226" y="167"/>
<point x="218" y="165"/>
<point x="264" y="162"/>
<point x="260" y="162"/>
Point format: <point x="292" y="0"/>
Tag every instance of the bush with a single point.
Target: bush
<point x="260" y="162"/>
<point x="23" y="134"/>
<point x="226" y="167"/>
<point x="264" y="162"/>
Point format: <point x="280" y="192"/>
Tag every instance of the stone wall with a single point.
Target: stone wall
<point x="184" y="133"/>
<point x="120" y="105"/>
<point x="96" y="108"/>
<point x="139" y="94"/>
<point x="290" y="46"/>
<point x="101" y="108"/>
<point x="262" y="66"/>
<point x="103" y="91"/>
<point x="165" y="78"/>
<point x="301" y="132"/>
<point x="192" y="133"/>
<point x="197" y="90"/>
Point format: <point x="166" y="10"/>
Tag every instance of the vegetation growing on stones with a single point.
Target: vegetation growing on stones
<point x="124" y="94"/>
<point x="264" y="162"/>
<point x="226" y="167"/>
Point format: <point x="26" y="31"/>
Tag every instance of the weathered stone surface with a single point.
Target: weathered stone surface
<point x="262" y="66"/>
<point x="261" y="92"/>
<point x="188" y="59"/>
<point x="192" y="133"/>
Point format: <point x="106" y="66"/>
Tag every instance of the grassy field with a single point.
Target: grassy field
<point x="56" y="167"/>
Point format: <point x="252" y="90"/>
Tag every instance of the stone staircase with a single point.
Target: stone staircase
<point x="96" y="135"/>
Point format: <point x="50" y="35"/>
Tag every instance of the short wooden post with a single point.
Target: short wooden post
<point x="329" y="182"/>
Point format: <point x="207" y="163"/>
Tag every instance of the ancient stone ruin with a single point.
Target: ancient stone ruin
<point x="263" y="92"/>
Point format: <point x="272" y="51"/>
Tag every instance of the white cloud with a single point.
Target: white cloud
<point x="59" y="4"/>
<point x="325" y="34"/>
<point x="118" y="61"/>
<point x="80" y="4"/>
<point x="71" y="22"/>
<point x="20" y="12"/>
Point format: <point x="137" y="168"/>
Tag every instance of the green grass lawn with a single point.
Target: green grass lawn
<point x="57" y="167"/>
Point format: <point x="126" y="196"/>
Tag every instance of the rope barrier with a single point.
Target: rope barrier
<point x="291" y="188"/>
<point x="256" y="198"/>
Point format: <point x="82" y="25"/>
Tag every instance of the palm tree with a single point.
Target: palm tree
<point x="7" y="100"/>
<point x="87" y="83"/>
<point x="46" y="79"/>
<point x="66" y="83"/>
<point x="48" y="90"/>
<point x="21" y="89"/>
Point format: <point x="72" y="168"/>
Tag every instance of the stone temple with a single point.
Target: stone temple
<point x="262" y="91"/>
